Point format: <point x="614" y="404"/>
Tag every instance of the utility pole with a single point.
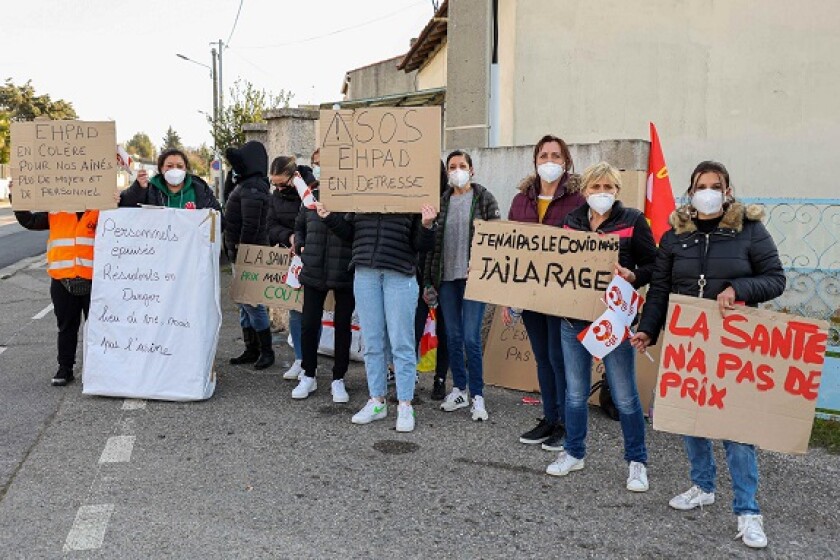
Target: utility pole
<point x="219" y="107"/>
<point x="215" y="98"/>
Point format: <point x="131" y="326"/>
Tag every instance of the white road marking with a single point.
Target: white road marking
<point x="89" y="528"/>
<point x="117" y="449"/>
<point x="43" y="313"/>
<point x="134" y="404"/>
<point x="39" y="264"/>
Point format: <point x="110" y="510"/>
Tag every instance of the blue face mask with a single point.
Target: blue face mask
<point x="316" y="172"/>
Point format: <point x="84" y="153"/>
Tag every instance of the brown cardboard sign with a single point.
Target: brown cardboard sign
<point x="67" y="166"/>
<point x="259" y="278"/>
<point x="541" y="268"/>
<point x="380" y="159"/>
<point x="750" y="377"/>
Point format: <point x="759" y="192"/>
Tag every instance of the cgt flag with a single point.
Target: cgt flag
<point x="659" y="202"/>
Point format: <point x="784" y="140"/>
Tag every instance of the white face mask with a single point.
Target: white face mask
<point x="459" y="178"/>
<point x="707" y="201"/>
<point x="601" y="202"/>
<point x="549" y="171"/>
<point x="174" y="176"/>
<point x="316" y="172"/>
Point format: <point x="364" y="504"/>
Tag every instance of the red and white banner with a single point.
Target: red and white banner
<point x="622" y="298"/>
<point x="306" y="196"/>
<point x="605" y="334"/>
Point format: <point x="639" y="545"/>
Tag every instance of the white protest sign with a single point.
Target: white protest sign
<point x="155" y="311"/>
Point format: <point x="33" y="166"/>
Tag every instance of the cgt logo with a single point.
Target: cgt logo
<point x="603" y="332"/>
<point x="662" y="173"/>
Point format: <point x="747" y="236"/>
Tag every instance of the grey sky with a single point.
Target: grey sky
<point x="116" y="60"/>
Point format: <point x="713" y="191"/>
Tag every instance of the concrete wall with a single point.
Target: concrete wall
<point x="381" y="78"/>
<point x="502" y="169"/>
<point x="286" y="132"/>
<point x="433" y="73"/>
<point x="468" y="74"/>
<point x="752" y="84"/>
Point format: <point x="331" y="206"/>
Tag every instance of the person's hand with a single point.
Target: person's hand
<point x="322" y="212"/>
<point x="292" y="242"/>
<point x="506" y="317"/>
<point x="625" y="273"/>
<point x="117" y="196"/>
<point x="640" y="341"/>
<point x="430" y="296"/>
<point x="143" y="178"/>
<point x="428" y="213"/>
<point x="726" y="300"/>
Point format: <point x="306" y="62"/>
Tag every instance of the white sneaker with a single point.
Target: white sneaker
<point x="564" y="464"/>
<point x="295" y="371"/>
<point x="478" y="410"/>
<point x="306" y="386"/>
<point x="455" y="399"/>
<point x="637" y="480"/>
<point x="339" y="392"/>
<point x="692" y="498"/>
<point x="405" y="418"/>
<point x="751" y="531"/>
<point x="373" y="410"/>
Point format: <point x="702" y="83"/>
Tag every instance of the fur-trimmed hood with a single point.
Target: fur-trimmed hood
<point x="733" y="218"/>
<point x="570" y="184"/>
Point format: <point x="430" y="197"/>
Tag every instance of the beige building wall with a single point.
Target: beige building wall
<point x="433" y="73"/>
<point x="754" y="84"/>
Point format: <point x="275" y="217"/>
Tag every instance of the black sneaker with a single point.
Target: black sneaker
<point x="539" y="434"/>
<point x="556" y="440"/>
<point x="62" y="377"/>
<point x="439" y="389"/>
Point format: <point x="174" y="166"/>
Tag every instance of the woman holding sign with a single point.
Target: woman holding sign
<point x="717" y="249"/>
<point x="546" y="198"/>
<point x="602" y="213"/>
<point x="446" y="277"/>
<point x="174" y="186"/>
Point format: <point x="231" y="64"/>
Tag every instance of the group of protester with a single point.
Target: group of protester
<point x="375" y="264"/>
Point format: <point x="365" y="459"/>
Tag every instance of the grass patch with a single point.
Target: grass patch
<point x="826" y="434"/>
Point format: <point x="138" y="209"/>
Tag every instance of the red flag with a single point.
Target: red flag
<point x="659" y="202"/>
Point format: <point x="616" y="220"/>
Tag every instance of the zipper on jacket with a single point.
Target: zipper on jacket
<point x="701" y="282"/>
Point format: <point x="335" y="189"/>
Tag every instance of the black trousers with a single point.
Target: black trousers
<point x="420" y="314"/>
<point x="68" y="313"/>
<point x="313" y="309"/>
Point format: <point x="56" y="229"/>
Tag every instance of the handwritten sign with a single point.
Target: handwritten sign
<point x="541" y="268"/>
<point x="380" y="159"/>
<point x="751" y="377"/>
<point x="259" y="278"/>
<point x="155" y="311"/>
<point x="65" y="166"/>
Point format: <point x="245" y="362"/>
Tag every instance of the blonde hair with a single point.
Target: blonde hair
<point x="597" y="172"/>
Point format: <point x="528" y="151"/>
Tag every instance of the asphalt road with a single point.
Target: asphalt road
<point x="252" y="474"/>
<point x="17" y="243"/>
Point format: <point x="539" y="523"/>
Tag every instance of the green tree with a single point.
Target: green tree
<point x="19" y="103"/>
<point x="141" y="146"/>
<point x="245" y="104"/>
<point x="200" y="159"/>
<point x="171" y="140"/>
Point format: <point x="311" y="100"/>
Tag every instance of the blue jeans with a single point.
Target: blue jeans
<point x="295" y="322"/>
<point x="253" y="316"/>
<point x="463" y="335"/>
<point x="385" y="302"/>
<point x="620" y="367"/>
<point x="743" y="468"/>
<point x="544" y="334"/>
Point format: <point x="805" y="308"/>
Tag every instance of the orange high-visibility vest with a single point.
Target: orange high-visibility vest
<point x="70" y="246"/>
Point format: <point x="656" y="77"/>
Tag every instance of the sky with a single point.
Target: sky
<point x="117" y="60"/>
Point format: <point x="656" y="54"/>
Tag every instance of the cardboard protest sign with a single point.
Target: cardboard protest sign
<point x="155" y="310"/>
<point x="541" y="268"/>
<point x="67" y="166"/>
<point x="380" y="159"/>
<point x="752" y="377"/>
<point x="259" y="278"/>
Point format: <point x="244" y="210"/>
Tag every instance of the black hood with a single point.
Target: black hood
<point x="251" y="160"/>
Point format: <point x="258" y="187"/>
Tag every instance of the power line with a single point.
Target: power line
<point x="235" y="21"/>
<point x="337" y="31"/>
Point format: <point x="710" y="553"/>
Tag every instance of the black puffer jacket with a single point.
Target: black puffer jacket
<point x="246" y="210"/>
<point x="326" y="256"/>
<point x="636" y="249"/>
<point x="739" y="253"/>
<point x="389" y="241"/>
<point x="135" y="195"/>
<point x="282" y="213"/>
